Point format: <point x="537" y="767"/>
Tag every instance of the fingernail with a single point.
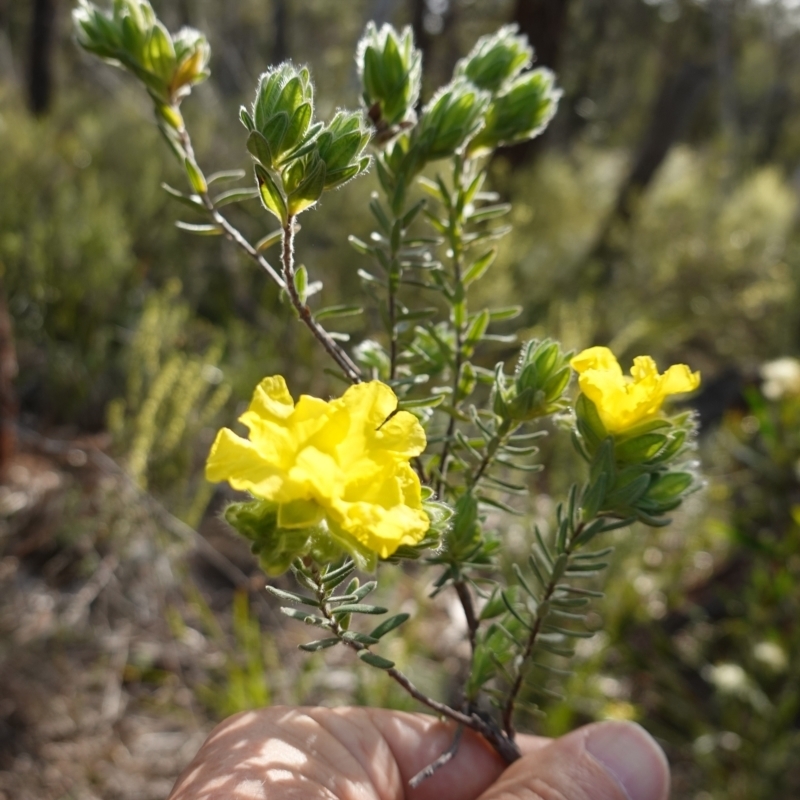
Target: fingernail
<point x="632" y="756"/>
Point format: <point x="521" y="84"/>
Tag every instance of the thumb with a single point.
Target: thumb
<point x="604" y="761"/>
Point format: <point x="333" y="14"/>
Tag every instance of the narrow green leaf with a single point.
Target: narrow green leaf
<point x="199" y="229"/>
<point x="375" y="660"/>
<point x="358" y="608"/>
<point x="478" y="268"/>
<point x="226" y="175"/>
<point x="291" y="597"/>
<point x="389" y="625"/>
<point x="195" y="177"/>
<point x="269" y="240"/>
<point x="338" y="311"/>
<point x="319" y="644"/>
<point x="361" y="638"/>
<point x="309" y="619"/>
<point x="235" y="196"/>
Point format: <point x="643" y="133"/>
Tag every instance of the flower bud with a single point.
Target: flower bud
<point x="541" y="377"/>
<point x="453" y="115"/>
<point x="280" y="123"/>
<point x="390" y="68"/>
<point x="340" y="147"/>
<point x="521" y="112"/>
<point x="496" y="59"/>
<point x="131" y="36"/>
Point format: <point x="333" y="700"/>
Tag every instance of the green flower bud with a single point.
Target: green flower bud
<point x="390" y="68"/>
<point x="131" y="36"/>
<point x="540" y="380"/>
<point x="280" y="123"/>
<point x="340" y="147"/>
<point x="521" y="112"/>
<point x="451" y="118"/>
<point x="496" y="59"/>
<point x="641" y="473"/>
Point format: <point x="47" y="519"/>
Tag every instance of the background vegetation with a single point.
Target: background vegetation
<point x="657" y="215"/>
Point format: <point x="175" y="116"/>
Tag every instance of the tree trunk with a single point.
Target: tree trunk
<point x="40" y="55"/>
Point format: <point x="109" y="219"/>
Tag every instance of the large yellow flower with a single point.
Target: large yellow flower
<point x="344" y="462"/>
<point x="623" y="401"/>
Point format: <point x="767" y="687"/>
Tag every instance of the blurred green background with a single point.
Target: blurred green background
<point x="658" y="215"/>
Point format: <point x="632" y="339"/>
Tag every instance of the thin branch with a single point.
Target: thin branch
<point x="533" y="635"/>
<point x="465" y="596"/>
<point x="323" y="337"/>
<point x="505" y="745"/>
<point x="341" y="358"/>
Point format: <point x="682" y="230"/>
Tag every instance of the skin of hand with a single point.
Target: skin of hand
<point x="288" y="753"/>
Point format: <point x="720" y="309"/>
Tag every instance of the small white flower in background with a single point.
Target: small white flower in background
<point x="781" y="377"/>
<point x="771" y="655"/>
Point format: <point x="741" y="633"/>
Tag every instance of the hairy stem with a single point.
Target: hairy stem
<point x="457" y="249"/>
<point x="323" y="337"/>
<point x="533" y="635"/>
<point x="505" y="745"/>
<point x="341" y="358"/>
<point x="467" y="603"/>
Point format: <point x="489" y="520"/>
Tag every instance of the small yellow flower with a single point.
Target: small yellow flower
<point x="624" y="401"/>
<point x="344" y="462"/>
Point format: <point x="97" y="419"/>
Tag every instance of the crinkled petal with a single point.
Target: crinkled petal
<point x="679" y="379"/>
<point x="239" y="462"/>
<point x="600" y="358"/>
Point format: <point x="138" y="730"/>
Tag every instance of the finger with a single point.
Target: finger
<point x="345" y="752"/>
<point x="605" y="761"/>
<point x="417" y="740"/>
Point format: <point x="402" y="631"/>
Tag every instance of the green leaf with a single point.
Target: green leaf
<point x="319" y="644"/>
<point x="503" y="314"/>
<point x="358" y="608"/>
<point x="478" y="268"/>
<point x="195" y="177"/>
<point x="477" y="328"/>
<point x="269" y="240"/>
<point x="193" y="201"/>
<point x="260" y="149"/>
<point x="489" y="212"/>
<point x="389" y="625"/>
<point x="235" y="196"/>
<point x="271" y="195"/>
<point x="330" y="580"/>
<point x="199" y="229"/>
<point x="291" y="597"/>
<point x="338" y="311"/>
<point x="300" y="280"/>
<point x="361" y="638"/>
<point x="421" y="402"/>
<point x="309" y="619"/>
<point x="375" y="660"/>
<point x="226" y="175"/>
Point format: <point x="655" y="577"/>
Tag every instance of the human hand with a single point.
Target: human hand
<point x="284" y="753"/>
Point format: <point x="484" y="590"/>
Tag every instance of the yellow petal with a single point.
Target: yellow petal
<point x="237" y="461"/>
<point x="596" y="358"/>
<point x="679" y="379"/>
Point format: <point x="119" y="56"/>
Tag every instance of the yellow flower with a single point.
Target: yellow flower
<point x="623" y="401"/>
<point x="344" y="462"/>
